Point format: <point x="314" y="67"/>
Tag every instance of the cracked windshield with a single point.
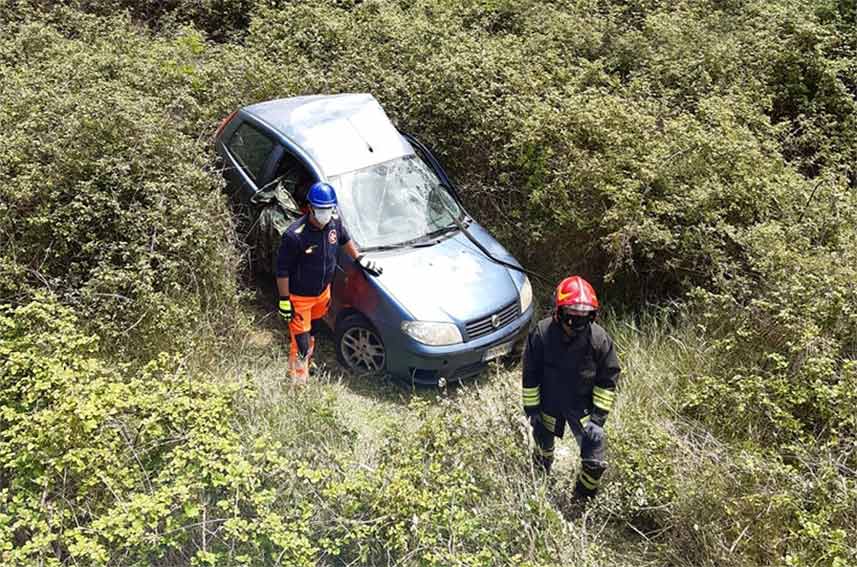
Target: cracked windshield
<point x="395" y="202"/>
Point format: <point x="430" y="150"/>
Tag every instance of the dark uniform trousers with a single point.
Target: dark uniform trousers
<point x="592" y="454"/>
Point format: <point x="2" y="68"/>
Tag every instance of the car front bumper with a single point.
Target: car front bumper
<point x="428" y="365"/>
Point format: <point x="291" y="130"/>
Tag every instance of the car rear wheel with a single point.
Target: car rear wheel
<point x="358" y="345"/>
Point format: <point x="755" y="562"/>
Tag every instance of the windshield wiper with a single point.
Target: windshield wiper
<point x="415" y="243"/>
<point x="428" y="239"/>
<point x="440" y="231"/>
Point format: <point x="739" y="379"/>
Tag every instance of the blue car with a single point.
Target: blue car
<point x="449" y="299"/>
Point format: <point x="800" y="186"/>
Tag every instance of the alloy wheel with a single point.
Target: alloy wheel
<point x="362" y="349"/>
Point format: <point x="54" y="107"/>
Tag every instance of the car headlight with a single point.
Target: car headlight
<point x="526" y="295"/>
<point x="434" y="334"/>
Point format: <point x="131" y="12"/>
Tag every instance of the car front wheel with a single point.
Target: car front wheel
<point x="358" y="345"/>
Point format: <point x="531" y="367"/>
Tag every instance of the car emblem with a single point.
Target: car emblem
<point x="495" y="321"/>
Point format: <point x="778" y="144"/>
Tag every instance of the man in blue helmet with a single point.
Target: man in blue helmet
<point x="306" y="265"/>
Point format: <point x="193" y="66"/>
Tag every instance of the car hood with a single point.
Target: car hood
<point x="450" y="281"/>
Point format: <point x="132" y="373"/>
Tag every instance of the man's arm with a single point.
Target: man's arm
<point x="283" y="286"/>
<point x="287" y="257"/>
<point x="532" y="373"/>
<point x="606" y="379"/>
<point x="346" y="242"/>
<point x="362" y="261"/>
<point x="351" y="250"/>
<point x="285" y="262"/>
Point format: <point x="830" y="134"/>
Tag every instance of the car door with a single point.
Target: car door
<point x="249" y="155"/>
<point x="278" y="203"/>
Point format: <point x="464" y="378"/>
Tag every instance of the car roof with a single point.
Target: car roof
<point x="341" y="133"/>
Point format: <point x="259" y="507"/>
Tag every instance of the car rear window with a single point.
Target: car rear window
<point x="251" y="148"/>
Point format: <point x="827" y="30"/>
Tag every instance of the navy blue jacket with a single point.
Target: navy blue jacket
<point x="308" y="255"/>
<point x="567" y="378"/>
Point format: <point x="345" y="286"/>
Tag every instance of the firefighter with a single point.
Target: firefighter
<point x="570" y="373"/>
<point x="305" y="267"/>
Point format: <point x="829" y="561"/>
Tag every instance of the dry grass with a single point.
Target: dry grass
<point x="675" y="494"/>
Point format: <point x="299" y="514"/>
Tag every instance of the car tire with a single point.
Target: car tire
<point x="359" y="347"/>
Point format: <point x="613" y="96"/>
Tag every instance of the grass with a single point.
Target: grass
<point x="674" y="493"/>
<point x="363" y="470"/>
<point x="369" y="411"/>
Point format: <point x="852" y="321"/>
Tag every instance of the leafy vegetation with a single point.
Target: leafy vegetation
<point x="696" y="155"/>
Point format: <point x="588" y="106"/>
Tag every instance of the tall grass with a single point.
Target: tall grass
<point x="352" y="426"/>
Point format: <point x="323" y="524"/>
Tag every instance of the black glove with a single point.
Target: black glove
<point x="286" y="310"/>
<point x="593" y="432"/>
<point x="368" y="265"/>
<point x="535" y="419"/>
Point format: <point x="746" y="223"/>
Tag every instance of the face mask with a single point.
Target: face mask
<point x="578" y="324"/>
<point x="323" y="216"/>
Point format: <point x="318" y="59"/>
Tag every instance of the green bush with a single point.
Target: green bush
<point x="221" y="19"/>
<point x="736" y="507"/>
<point x="435" y="498"/>
<point x="704" y="491"/>
<point x="104" y="465"/>
<point x="106" y="201"/>
<point x="783" y="335"/>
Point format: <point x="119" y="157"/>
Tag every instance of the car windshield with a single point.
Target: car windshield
<point x="397" y="202"/>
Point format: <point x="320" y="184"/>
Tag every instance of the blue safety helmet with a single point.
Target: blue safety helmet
<point x="321" y="195"/>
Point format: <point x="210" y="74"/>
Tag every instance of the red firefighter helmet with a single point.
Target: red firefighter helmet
<point x="577" y="296"/>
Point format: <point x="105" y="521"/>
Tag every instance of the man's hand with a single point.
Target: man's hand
<point x="286" y="311"/>
<point x="593" y="432"/>
<point x="368" y="265"/>
<point x="535" y="419"/>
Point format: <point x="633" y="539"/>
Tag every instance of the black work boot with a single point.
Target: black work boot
<point x="582" y="492"/>
<point x="542" y="462"/>
<point x="589" y="478"/>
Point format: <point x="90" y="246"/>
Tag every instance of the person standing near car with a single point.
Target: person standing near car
<point x="570" y="373"/>
<point x="306" y="264"/>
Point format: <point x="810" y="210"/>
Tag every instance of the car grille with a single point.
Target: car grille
<point x="481" y="327"/>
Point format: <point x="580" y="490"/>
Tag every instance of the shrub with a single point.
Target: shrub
<point x="106" y="201"/>
<point x="221" y="19"/>
<point x="101" y="464"/>
<point x="784" y="337"/>
<point x="718" y="492"/>
<point x="435" y="498"/>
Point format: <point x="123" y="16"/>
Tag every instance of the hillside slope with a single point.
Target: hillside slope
<point x="694" y="159"/>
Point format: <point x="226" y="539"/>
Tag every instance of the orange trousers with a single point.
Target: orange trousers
<point x="306" y="309"/>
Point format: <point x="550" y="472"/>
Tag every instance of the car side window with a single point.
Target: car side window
<point x="294" y="178"/>
<point x="251" y="148"/>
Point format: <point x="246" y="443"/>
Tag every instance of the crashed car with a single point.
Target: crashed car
<point x="450" y="298"/>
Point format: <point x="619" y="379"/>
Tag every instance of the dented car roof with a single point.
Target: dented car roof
<point x="340" y="133"/>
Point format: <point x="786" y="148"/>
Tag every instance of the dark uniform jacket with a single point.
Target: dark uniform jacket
<point x="568" y="377"/>
<point x="308" y="255"/>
